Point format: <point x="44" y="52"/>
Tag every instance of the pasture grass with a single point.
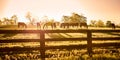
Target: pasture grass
<point x="34" y="55"/>
<point x="56" y="54"/>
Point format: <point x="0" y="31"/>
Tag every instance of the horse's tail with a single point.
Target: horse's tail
<point x="61" y="25"/>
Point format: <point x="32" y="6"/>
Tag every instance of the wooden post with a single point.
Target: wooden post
<point x="42" y="45"/>
<point x="89" y="42"/>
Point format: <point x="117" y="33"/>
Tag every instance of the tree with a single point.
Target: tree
<point x="29" y="17"/>
<point x="108" y="23"/>
<point x="93" y="22"/>
<point x="14" y="19"/>
<point x="44" y="19"/>
<point x="74" y="18"/>
<point x="78" y="18"/>
<point x="65" y="19"/>
<point x="100" y="23"/>
<point x="52" y="20"/>
<point x="6" y="21"/>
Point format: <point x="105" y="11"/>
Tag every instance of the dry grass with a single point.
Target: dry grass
<point x="59" y="54"/>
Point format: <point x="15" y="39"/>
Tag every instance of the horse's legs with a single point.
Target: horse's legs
<point x="86" y="26"/>
<point x="68" y="25"/>
<point x="52" y="26"/>
<point x="63" y="25"/>
<point x="43" y="26"/>
<point x="38" y="25"/>
<point x="113" y="27"/>
<point x="25" y="25"/>
<point x="18" y="26"/>
<point x="60" y="25"/>
<point x="76" y="26"/>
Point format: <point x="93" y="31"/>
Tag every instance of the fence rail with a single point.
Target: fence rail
<point x="42" y="40"/>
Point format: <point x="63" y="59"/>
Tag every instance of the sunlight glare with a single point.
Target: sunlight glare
<point x="54" y="9"/>
<point x="23" y="19"/>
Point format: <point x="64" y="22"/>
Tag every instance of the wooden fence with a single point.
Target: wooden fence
<point x="42" y="40"/>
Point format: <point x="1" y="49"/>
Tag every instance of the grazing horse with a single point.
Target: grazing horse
<point x="83" y="24"/>
<point x="22" y="24"/>
<point x="112" y="25"/>
<point x="51" y="24"/>
<point x="38" y="25"/>
<point x="74" y="24"/>
<point x="64" y="25"/>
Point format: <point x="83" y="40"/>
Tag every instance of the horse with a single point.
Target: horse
<point x="112" y="25"/>
<point x="38" y="25"/>
<point x="74" y="24"/>
<point x="51" y="24"/>
<point x="64" y="25"/>
<point x="83" y="24"/>
<point x="22" y="24"/>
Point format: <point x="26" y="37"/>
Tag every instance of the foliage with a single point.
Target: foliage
<point x="100" y="23"/>
<point x="74" y="18"/>
<point x="78" y="18"/>
<point x="44" y="19"/>
<point x="108" y="23"/>
<point x="29" y="17"/>
<point x="65" y="19"/>
<point x="9" y="21"/>
<point x="93" y="22"/>
<point x="6" y="21"/>
<point x="14" y="19"/>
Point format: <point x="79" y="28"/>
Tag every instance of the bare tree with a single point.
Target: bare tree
<point x="44" y="19"/>
<point x="14" y="19"/>
<point x="29" y="17"/>
<point x="93" y="22"/>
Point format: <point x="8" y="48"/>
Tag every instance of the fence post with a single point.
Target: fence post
<point x="42" y="45"/>
<point x="89" y="42"/>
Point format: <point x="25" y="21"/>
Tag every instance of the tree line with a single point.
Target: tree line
<point x="73" y="18"/>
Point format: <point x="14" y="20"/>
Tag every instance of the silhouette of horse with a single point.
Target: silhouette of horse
<point x="112" y="25"/>
<point x="67" y="25"/>
<point x="22" y="24"/>
<point x="64" y="25"/>
<point x="38" y="25"/>
<point x="74" y="24"/>
<point x="51" y="24"/>
<point x="83" y="24"/>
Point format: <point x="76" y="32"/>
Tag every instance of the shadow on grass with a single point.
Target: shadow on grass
<point x="8" y="35"/>
<point x="68" y="35"/>
<point x="8" y="26"/>
<point x="111" y="33"/>
<point x="55" y="35"/>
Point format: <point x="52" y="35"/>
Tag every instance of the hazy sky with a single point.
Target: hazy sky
<point x="92" y="9"/>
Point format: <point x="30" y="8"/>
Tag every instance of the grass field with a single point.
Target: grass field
<point x="75" y="54"/>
